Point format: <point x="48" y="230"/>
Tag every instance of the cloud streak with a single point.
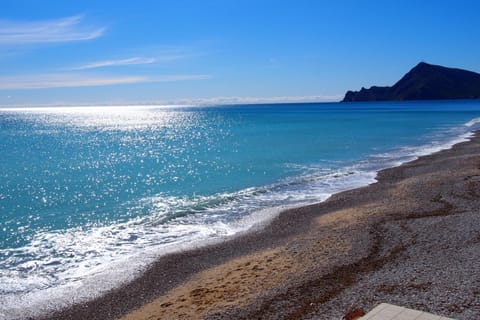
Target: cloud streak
<point x="47" y="31"/>
<point x="114" y="63"/>
<point x="72" y="80"/>
<point x="130" y="61"/>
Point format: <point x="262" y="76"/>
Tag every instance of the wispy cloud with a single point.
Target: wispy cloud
<point x="47" y="31"/>
<point x="80" y="80"/>
<point x="113" y="63"/>
<point x="130" y="61"/>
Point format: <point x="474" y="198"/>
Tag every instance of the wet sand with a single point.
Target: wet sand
<point x="412" y="238"/>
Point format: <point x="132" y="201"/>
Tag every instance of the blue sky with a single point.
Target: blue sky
<point x="134" y="52"/>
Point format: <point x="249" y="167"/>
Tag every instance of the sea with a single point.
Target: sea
<point x="90" y="196"/>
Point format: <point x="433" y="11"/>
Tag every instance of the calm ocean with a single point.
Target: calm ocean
<point x="89" y="193"/>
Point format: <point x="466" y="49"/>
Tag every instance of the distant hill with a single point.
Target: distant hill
<point x="424" y="82"/>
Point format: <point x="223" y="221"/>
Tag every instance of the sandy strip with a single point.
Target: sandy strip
<point x="411" y="239"/>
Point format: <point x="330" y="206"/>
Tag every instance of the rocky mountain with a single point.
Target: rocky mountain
<point x="424" y="82"/>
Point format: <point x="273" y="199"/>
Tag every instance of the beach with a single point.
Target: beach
<point x="239" y="160"/>
<point x="412" y="239"/>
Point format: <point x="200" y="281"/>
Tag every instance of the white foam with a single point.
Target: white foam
<point x="472" y="122"/>
<point x="407" y="154"/>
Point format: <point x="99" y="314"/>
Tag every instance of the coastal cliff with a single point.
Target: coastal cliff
<point x="424" y="82"/>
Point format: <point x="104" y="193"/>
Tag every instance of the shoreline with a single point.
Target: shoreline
<point x="309" y="243"/>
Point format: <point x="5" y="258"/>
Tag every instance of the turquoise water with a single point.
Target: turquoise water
<point x="85" y="189"/>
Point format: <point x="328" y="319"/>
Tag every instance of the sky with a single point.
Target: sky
<point x="224" y="51"/>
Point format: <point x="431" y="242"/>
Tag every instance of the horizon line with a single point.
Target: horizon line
<point x="184" y="102"/>
<point x="45" y="106"/>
